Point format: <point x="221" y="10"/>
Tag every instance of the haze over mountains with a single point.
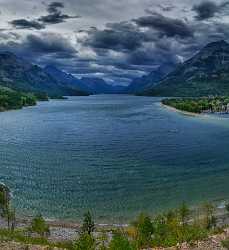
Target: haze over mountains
<point x="89" y="85"/>
<point x="19" y="74"/>
<point x="206" y="73"/>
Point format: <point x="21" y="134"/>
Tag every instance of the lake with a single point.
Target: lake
<point x="116" y="155"/>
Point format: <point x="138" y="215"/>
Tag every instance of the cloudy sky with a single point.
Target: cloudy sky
<point x="115" y="40"/>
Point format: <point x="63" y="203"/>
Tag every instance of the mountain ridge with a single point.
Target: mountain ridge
<point x="139" y="84"/>
<point x="206" y="73"/>
<point x="92" y="85"/>
<point x="21" y="75"/>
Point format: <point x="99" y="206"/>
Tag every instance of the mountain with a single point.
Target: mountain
<point x="66" y="79"/>
<point x="100" y="86"/>
<point x="206" y="73"/>
<point x="88" y="84"/>
<point x="150" y="80"/>
<point x="19" y="74"/>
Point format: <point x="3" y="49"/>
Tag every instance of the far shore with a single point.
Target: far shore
<point x="182" y="111"/>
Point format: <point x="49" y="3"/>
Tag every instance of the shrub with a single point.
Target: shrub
<point x="184" y="213"/>
<point x="85" y="242"/>
<point x="121" y="242"/>
<point x="225" y="243"/>
<point x="88" y="223"/>
<point x="39" y="226"/>
<point x="144" y="230"/>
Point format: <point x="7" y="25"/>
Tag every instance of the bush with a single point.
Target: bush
<point x="144" y="230"/>
<point x="85" y="242"/>
<point x="121" y="242"/>
<point x="225" y="243"/>
<point x="39" y="226"/>
<point x="88" y="223"/>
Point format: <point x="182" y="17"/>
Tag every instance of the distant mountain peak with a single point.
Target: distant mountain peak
<point x="20" y="74"/>
<point x="206" y="73"/>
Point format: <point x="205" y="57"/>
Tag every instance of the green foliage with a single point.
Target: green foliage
<point x="165" y="230"/>
<point x="39" y="226"/>
<point x="170" y="229"/>
<point x="4" y="203"/>
<point x="209" y="218"/>
<point x="121" y="242"/>
<point x="41" y="96"/>
<point x="199" y="105"/>
<point x="85" y="242"/>
<point x="184" y="213"/>
<point x="225" y="243"/>
<point x="7" y="212"/>
<point x="144" y="229"/>
<point x="88" y="223"/>
<point x="10" y="215"/>
<point x="10" y="99"/>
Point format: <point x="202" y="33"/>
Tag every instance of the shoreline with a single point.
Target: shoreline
<point x="61" y="230"/>
<point x="182" y="111"/>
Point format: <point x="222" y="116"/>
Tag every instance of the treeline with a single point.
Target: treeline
<point x="13" y="99"/>
<point x="168" y="229"/>
<point x="199" y="105"/>
<point x="10" y="99"/>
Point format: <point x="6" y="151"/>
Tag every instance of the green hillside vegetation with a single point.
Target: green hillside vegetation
<point x="163" y="230"/>
<point x="199" y="105"/>
<point x="10" y="99"/>
<point x="204" y="74"/>
<point x="197" y="88"/>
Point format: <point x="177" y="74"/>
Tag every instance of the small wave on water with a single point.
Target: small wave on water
<point x="114" y="156"/>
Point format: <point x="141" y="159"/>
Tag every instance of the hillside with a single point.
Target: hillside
<point x="90" y="85"/>
<point x="206" y="73"/>
<point x="65" y="79"/>
<point x="148" y="81"/>
<point x="10" y="99"/>
<point x="19" y="74"/>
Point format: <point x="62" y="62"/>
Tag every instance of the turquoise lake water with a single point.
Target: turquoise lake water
<point x="115" y="155"/>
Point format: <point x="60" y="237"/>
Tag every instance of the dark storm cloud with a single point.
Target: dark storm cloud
<point x="50" y="43"/>
<point x="208" y="9"/>
<point x="143" y="44"/>
<point x="122" y="50"/>
<point x="55" y="18"/>
<point x="39" y="48"/>
<point x="54" y="6"/>
<point x="166" y="25"/>
<point x="117" y="36"/>
<point x="55" y="14"/>
<point x="27" y="24"/>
